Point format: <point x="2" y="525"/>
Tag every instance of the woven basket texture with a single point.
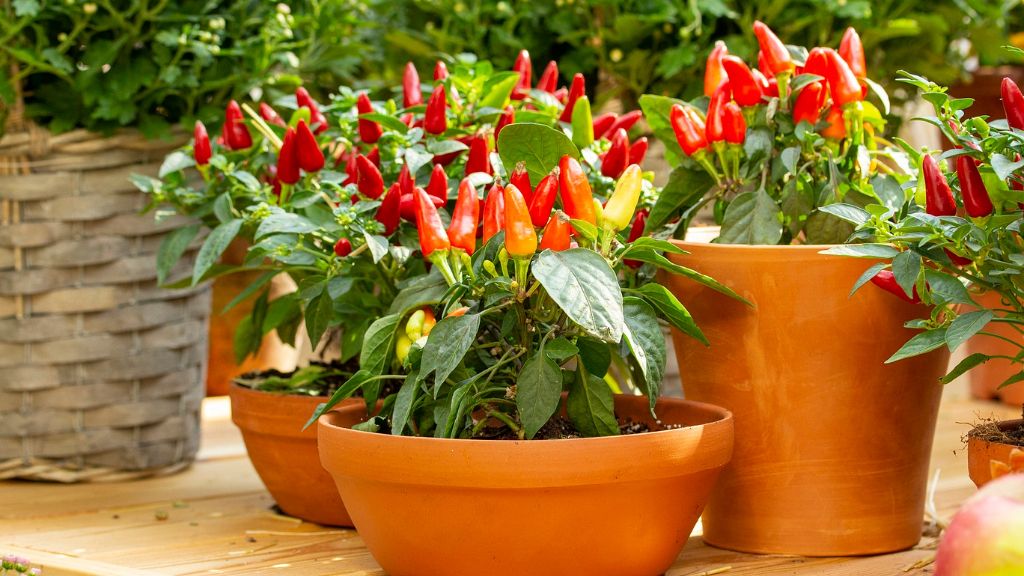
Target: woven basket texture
<point x="101" y="370"/>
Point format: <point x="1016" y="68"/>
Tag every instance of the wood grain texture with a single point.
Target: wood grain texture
<point x="216" y="518"/>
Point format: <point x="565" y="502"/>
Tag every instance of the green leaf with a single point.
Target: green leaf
<point x="539" y="147"/>
<point x="215" y="245"/>
<point x="946" y="287"/>
<point x="497" y="89"/>
<point x="222" y="208"/>
<point x="560" y="349"/>
<point x="875" y="251"/>
<point x="538" y="392"/>
<point x="879" y="91"/>
<point x="672" y="310"/>
<point x="657" y="111"/>
<point x="966" y="325"/>
<point x="584" y="286"/>
<point x="660" y="261"/>
<point x="685" y="187"/>
<point x="319" y="313"/>
<point x="446" y="346"/>
<point x="752" y="218"/>
<point x="423" y="291"/>
<point x="867" y="276"/>
<point x="656" y="245"/>
<point x="416" y="158"/>
<point x="1018" y="377"/>
<point x="250" y="182"/>
<point x="404" y="401"/>
<point x="920" y="344"/>
<point x="905" y="267"/>
<point x="647" y="343"/>
<point x="174" y="162"/>
<point x="378" y="344"/>
<point x="966" y="364"/>
<point x="441" y="147"/>
<point x="249" y="290"/>
<point x="591" y="406"/>
<point x="284" y="223"/>
<point x="595" y="356"/>
<point x="389" y="122"/>
<point x="245" y="340"/>
<point x="848" y="212"/>
<point x="1004" y="167"/>
<point x="378" y="246"/>
<point x="345" y="391"/>
<point x="171" y="248"/>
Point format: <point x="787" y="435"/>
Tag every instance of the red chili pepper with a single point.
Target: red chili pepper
<point x="690" y="134"/>
<point x="201" y="149"/>
<point x="1013" y="103"/>
<point x="836" y="128"/>
<point x="271" y="115"/>
<point x="817" y="62"/>
<point x="405" y="181"/>
<point x="762" y="65"/>
<point x="438" y="185"/>
<point x="549" y="79"/>
<point x="764" y="83"/>
<point x="972" y="188"/>
<point x="350" y="167"/>
<point x="886" y="280"/>
<point x="525" y="69"/>
<point x="626" y="121"/>
<point x="440" y="71"/>
<point x="288" y="159"/>
<point x="602" y="123"/>
<point x="714" y="72"/>
<point x="638" y="151"/>
<point x="562" y="94"/>
<point x="775" y="53"/>
<point x="374" y="156"/>
<point x="735" y="125"/>
<point x="808" y="104"/>
<point x="465" y="218"/>
<point x="544" y="199"/>
<point x="411" y="94"/>
<point x="574" y="188"/>
<point x="716" y="128"/>
<point x="745" y="88"/>
<point x="639" y="222"/>
<point x="343" y="247"/>
<point x="520" y="236"/>
<point x="576" y="91"/>
<point x="939" y="199"/>
<point x="433" y="236"/>
<point x="236" y="133"/>
<point x="311" y="158"/>
<point x="407" y="205"/>
<point x="842" y="84"/>
<point x="520" y="178"/>
<point x="615" y="159"/>
<point x="368" y="179"/>
<point x="494" y="212"/>
<point x="369" y="131"/>
<point x="479" y="157"/>
<point x="507" y="117"/>
<point x="555" y="236"/>
<point x="852" y="51"/>
<point x="388" y="212"/>
<point x="435" y="120"/>
<point x="316" y="118"/>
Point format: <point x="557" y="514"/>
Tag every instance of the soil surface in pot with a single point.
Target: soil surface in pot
<point x="990" y="432"/>
<point x="562" y="428"/>
<point x="317" y="379"/>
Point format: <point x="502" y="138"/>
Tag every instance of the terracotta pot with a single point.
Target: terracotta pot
<point x="981" y="452"/>
<point x="832" y="445"/>
<point x="587" y="507"/>
<point x="985" y="379"/>
<point x="285" y="455"/>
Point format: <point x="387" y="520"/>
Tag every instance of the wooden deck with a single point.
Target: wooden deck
<point x="216" y="518"/>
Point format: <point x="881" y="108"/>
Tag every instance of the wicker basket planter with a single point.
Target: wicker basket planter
<point x="101" y="370"/>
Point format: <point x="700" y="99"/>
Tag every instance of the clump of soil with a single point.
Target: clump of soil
<point x="990" y="432"/>
<point x="560" y="429"/>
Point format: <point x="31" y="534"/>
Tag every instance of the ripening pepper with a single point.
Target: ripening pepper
<point x="886" y="280"/>
<point x="405" y="181"/>
<point x="368" y="179"/>
<point x="437" y="187"/>
<point x="411" y="93"/>
<point x="520" y="236"/>
<point x="775" y="53"/>
<point x="507" y="117"/>
<point x="842" y="84"/>
<point x="618" y="212"/>
<point x="972" y="189"/>
<point x="288" y="159"/>
<point x="520" y="178"/>
<point x="543" y="199"/>
<point x="852" y="51"/>
<point x="343" y="247"/>
<point x="939" y="199"/>
<point x="689" y="130"/>
<point x="602" y="123"/>
<point x="479" y="159"/>
<point x="626" y="121"/>
<point x="746" y="90"/>
<point x="734" y="124"/>
<point x="369" y="131"/>
<point x="549" y="79"/>
<point x="639" y="223"/>
<point x="388" y="212"/>
<point x="433" y="236"/>
<point x="201" y="149"/>
<point x="317" y="120"/>
<point x="435" y="120"/>
<point x="310" y="156"/>
<point x="574" y="188"/>
<point x="576" y="91"/>
<point x="460" y="311"/>
<point x="236" y="133"/>
<point x="638" y="151"/>
<point x="525" y="69"/>
<point x="402" y="346"/>
<point x="615" y="159"/>
<point x="836" y="124"/>
<point x="271" y="115"/>
<point x="1013" y="103"/>
<point x="440" y="71"/>
<point x="808" y="104"/>
<point x="714" y="73"/>
<point x="556" y="234"/>
<point x="582" y="123"/>
<point x="494" y="212"/>
<point x="465" y="218"/>
<point x="420" y="323"/>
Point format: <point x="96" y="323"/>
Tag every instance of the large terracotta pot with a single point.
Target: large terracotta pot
<point x="985" y="379"/>
<point x="587" y="507"/>
<point x="285" y="455"/>
<point x="981" y="452"/>
<point x="832" y="445"/>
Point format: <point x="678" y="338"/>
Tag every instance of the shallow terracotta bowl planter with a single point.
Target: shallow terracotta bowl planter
<point x="982" y="452"/>
<point x="586" y="507"/>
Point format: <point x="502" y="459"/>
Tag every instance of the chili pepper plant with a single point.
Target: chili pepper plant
<point x="768" y="145"/>
<point x="326" y="192"/>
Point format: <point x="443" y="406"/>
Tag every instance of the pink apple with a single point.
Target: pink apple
<point x="986" y="537"/>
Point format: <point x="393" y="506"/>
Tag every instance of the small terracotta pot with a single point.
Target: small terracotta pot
<point x="285" y="455"/>
<point x="832" y="445"/>
<point x="981" y="453"/>
<point x="588" y="507"/>
<point x="985" y="379"/>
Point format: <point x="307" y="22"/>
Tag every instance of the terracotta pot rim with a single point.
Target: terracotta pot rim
<point x="539" y="463"/>
<point x="1003" y="425"/>
<point x="235" y="385"/>
<point x="815" y="248"/>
